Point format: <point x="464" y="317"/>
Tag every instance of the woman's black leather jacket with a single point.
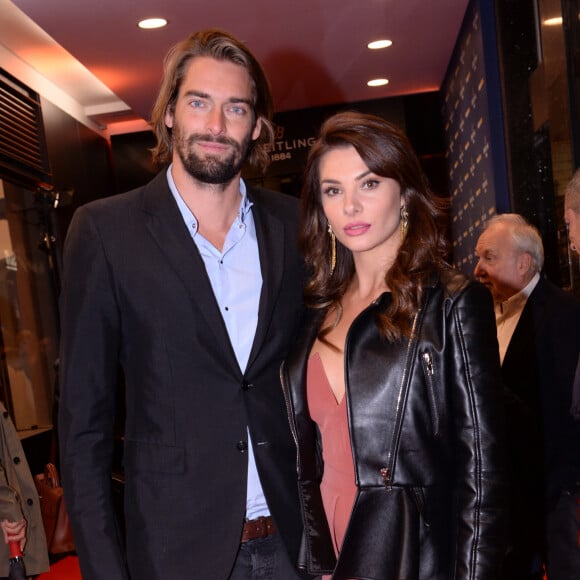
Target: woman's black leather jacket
<point x="426" y="430"/>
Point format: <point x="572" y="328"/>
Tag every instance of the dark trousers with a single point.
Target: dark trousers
<point x="264" y="559"/>
<point x="526" y="533"/>
<point x="563" y="529"/>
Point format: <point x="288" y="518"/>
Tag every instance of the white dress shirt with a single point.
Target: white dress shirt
<point x="507" y="315"/>
<point x="236" y="280"/>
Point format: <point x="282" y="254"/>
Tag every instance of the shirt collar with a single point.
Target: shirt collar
<point x="187" y="214"/>
<point x="518" y="300"/>
<point x="246" y="204"/>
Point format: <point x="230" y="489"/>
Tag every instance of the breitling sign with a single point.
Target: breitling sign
<point x="282" y="149"/>
<point x="295" y="132"/>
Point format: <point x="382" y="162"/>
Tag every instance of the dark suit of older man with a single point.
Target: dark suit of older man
<point x="539" y="337"/>
<point x="538" y="370"/>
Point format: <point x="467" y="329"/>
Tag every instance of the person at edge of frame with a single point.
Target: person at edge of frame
<point x="538" y="330"/>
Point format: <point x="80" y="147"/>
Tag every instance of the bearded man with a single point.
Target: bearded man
<point x="193" y="285"/>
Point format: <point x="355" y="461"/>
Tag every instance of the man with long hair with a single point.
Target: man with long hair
<point x="192" y="284"/>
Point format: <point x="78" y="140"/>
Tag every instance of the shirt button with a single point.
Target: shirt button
<point x="16" y="460"/>
<point x="242" y="446"/>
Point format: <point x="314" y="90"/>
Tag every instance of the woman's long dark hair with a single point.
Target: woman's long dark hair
<point x="387" y="152"/>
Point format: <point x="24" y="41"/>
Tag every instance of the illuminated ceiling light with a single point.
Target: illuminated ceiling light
<point x="378" y="82"/>
<point x="553" y="21"/>
<point x="376" y="44"/>
<point x="150" y="23"/>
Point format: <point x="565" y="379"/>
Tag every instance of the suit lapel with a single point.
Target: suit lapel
<point x="270" y="234"/>
<point x="166" y="225"/>
<point x="523" y="341"/>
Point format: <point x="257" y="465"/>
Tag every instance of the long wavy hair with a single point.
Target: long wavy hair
<point x="387" y="152"/>
<point x="220" y="45"/>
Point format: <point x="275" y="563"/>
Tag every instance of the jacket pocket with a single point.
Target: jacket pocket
<point x="142" y="457"/>
<point x="432" y="386"/>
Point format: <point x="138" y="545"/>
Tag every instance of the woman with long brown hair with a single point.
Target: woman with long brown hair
<point x="393" y="386"/>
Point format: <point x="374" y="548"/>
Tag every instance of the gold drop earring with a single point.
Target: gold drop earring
<point x="332" y="248"/>
<point x="404" y="222"/>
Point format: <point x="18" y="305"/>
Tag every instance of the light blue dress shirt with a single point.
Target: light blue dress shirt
<point x="236" y="279"/>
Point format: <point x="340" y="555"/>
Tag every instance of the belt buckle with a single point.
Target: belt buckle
<point x="262" y="527"/>
<point x="258" y="528"/>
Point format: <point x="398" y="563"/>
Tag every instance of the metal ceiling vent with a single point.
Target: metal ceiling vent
<point x="22" y="144"/>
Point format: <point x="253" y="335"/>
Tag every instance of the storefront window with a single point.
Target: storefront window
<point x="28" y="309"/>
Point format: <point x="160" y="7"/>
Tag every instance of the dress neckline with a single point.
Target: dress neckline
<point x="315" y="357"/>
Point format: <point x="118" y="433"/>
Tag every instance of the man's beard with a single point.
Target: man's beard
<point x="211" y="168"/>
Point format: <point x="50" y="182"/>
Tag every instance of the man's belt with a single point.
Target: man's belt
<point x="261" y="527"/>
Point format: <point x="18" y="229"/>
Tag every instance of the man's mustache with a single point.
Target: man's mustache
<point x="221" y="139"/>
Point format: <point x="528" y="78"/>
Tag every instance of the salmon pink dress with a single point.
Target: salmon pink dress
<point x="338" y="487"/>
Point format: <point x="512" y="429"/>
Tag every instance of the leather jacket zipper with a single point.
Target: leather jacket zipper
<point x="427" y="361"/>
<point x="387" y="471"/>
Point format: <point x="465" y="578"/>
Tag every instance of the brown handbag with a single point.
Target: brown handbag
<point x="59" y="538"/>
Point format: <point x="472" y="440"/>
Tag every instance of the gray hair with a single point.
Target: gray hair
<point x="526" y="237"/>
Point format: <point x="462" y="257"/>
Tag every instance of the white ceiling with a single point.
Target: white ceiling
<point x="314" y="51"/>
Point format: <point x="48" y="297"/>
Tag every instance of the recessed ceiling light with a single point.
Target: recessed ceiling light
<point x="150" y="23"/>
<point x="553" y="21"/>
<point x="378" y="82"/>
<point x="376" y="44"/>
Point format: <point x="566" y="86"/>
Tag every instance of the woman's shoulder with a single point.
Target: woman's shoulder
<point x="452" y="280"/>
<point x="457" y="285"/>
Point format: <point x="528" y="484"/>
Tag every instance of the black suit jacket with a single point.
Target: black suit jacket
<point x="538" y="369"/>
<point x="135" y="291"/>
